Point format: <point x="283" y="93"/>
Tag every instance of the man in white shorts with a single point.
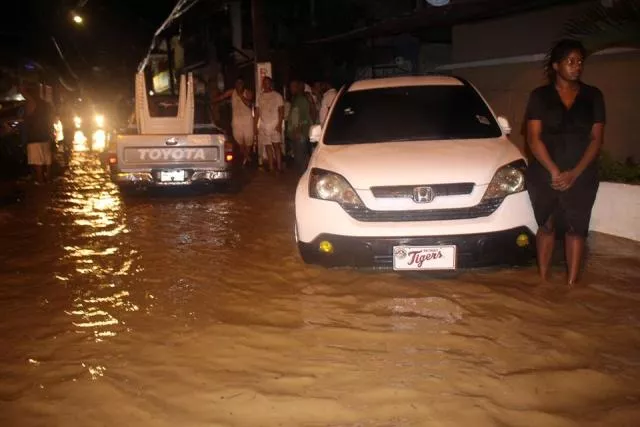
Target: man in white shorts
<point x="242" y="116"/>
<point x="38" y="125"/>
<point x="269" y="118"/>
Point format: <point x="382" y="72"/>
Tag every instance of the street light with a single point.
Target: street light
<point x="77" y="19"/>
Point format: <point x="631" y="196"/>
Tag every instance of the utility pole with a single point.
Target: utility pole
<point x="260" y="40"/>
<point x="260" y="34"/>
<point x="260" y="49"/>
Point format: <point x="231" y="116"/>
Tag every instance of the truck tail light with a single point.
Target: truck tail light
<point x="228" y="151"/>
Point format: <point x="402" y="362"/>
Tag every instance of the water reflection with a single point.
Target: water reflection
<point x="96" y="253"/>
<point x="196" y="309"/>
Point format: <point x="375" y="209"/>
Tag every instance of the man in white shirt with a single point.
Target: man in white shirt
<point x="269" y="117"/>
<point x="313" y="101"/>
<point x="327" y="94"/>
<point x="242" y="116"/>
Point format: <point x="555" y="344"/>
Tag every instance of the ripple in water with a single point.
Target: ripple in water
<point x="97" y="254"/>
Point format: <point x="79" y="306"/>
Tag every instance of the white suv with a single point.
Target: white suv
<point x="414" y="173"/>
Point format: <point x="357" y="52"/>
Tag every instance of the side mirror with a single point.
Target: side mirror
<point x="315" y="132"/>
<point x="504" y="125"/>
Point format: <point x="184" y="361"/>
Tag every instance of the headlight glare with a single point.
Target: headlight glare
<point x="509" y="179"/>
<point x="330" y="186"/>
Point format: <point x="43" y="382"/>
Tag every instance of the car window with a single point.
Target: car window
<point x="409" y="114"/>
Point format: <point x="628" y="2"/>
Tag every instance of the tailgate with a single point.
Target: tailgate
<point x="170" y="151"/>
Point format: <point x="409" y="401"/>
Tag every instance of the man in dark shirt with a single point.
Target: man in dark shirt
<point x="38" y="126"/>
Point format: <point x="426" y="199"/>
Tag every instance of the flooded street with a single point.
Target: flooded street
<point x="195" y="310"/>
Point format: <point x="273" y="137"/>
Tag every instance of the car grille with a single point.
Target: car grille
<point x="402" y="191"/>
<point x="483" y="209"/>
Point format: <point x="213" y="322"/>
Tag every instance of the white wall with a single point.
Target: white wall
<point x="617" y="210"/>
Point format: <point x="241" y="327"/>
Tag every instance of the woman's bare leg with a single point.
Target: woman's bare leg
<point x="574" y="251"/>
<point x="545" y="242"/>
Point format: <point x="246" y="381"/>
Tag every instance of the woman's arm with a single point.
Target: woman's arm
<point x="223" y="95"/>
<point x="567" y="179"/>
<point x="593" y="150"/>
<point x="539" y="150"/>
<point x="247" y="98"/>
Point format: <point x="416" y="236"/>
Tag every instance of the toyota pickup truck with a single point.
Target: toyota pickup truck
<point x="150" y="156"/>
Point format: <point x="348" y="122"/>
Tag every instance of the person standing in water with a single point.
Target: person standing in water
<point x="241" y="117"/>
<point x="38" y="126"/>
<point x="269" y="117"/>
<point x="299" y="121"/>
<point x="565" y="131"/>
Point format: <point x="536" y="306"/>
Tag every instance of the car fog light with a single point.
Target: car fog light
<point x="522" y="241"/>
<point x="326" y="247"/>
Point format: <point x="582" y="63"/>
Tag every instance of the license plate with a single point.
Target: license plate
<point x="172" y="176"/>
<point x="424" y="258"/>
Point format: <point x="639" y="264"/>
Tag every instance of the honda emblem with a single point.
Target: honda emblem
<point x="423" y="195"/>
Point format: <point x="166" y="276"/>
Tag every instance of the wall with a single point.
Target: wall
<point x="617" y="210"/>
<point x="507" y="85"/>
<point x="523" y="34"/>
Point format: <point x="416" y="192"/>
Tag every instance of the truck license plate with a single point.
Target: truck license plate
<point x="172" y="176"/>
<point x="424" y="258"/>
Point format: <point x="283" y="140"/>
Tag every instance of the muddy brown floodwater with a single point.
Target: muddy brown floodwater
<point x="195" y="310"/>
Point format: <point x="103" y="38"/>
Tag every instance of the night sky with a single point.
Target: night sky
<point x="112" y="40"/>
<point x="105" y="50"/>
<point x="111" y="26"/>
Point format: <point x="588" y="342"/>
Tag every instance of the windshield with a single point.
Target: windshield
<point x="408" y="114"/>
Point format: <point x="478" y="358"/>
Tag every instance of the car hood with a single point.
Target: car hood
<point x="417" y="162"/>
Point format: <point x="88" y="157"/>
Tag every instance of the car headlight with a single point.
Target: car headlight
<point x="509" y="179"/>
<point x="325" y="185"/>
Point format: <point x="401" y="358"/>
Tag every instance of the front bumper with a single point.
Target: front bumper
<point x="151" y="178"/>
<point x="473" y="250"/>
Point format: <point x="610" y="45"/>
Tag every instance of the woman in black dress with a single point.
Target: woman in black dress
<point x="565" y="127"/>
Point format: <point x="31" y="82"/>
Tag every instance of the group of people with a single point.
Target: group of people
<point x="274" y="126"/>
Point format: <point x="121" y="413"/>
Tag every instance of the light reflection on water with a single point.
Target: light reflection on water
<point x="95" y="250"/>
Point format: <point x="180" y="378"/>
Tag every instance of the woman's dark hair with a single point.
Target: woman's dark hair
<point x="560" y="52"/>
